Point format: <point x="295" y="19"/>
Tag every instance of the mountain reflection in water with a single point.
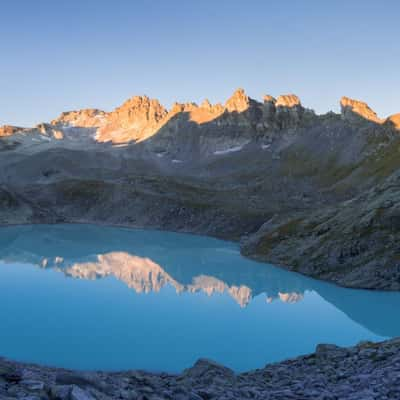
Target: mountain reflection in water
<point x="143" y="276"/>
<point x="213" y="269"/>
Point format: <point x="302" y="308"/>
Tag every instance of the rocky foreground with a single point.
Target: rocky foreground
<point x="367" y="371"/>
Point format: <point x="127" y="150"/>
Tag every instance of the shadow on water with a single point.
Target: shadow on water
<point x="90" y="252"/>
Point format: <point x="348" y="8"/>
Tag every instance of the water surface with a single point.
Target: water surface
<point x="89" y="297"/>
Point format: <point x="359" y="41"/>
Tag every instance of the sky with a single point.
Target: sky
<point x="60" y="55"/>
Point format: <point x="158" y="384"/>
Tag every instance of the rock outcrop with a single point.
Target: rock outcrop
<point x="87" y="118"/>
<point x="355" y="109"/>
<point x="137" y="119"/>
<point x="48" y="130"/>
<point x="394" y="121"/>
<point x="289" y="111"/>
<point x="238" y="102"/>
<point x="9" y="130"/>
<point x="287" y="101"/>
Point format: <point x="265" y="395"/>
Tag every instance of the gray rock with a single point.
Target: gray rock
<point x="60" y="392"/>
<point x="79" y="394"/>
<point x="32" y="384"/>
<point x="66" y="378"/>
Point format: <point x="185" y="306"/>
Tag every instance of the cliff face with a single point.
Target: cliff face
<point x="394" y="121"/>
<point x="314" y="193"/>
<point x="87" y="118"/>
<point x="135" y="120"/>
<point x="8" y="130"/>
<point x="353" y="109"/>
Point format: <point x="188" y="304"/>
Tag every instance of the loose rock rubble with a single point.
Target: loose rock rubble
<point x="367" y="371"/>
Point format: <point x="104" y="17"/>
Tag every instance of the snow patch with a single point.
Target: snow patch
<point x="229" y="150"/>
<point x="120" y="145"/>
<point x="176" y="161"/>
<point x="265" y="146"/>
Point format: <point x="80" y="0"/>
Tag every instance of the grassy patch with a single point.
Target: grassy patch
<point x="270" y="240"/>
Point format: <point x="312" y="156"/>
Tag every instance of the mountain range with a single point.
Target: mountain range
<point x="316" y="194"/>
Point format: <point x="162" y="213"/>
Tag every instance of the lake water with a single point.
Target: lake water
<point x="89" y="297"/>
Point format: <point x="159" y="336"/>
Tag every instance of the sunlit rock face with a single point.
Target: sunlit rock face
<point x="288" y="100"/>
<point x="206" y="112"/>
<point x="136" y="119"/>
<point x="354" y="109"/>
<point x="50" y="131"/>
<point x="8" y="130"/>
<point x="289" y="111"/>
<point x="238" y="102"/>
<point x="394" y="121"/>
<point x="86" y="118"/>
<point x="45" y="130"/>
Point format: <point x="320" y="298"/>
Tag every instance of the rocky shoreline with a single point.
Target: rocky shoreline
<point x="367" y="371"/>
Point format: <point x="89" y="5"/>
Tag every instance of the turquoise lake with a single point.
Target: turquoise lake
<point x="92" y="297"/>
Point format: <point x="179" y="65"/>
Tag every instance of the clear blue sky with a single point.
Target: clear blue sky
<point x="61" y="55"/>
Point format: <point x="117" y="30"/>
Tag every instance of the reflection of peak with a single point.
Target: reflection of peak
<point x="290" y="297"/>
<point x="210" y="285"/>
<point x="140" y="274"/>
<point x="144" y="276"/>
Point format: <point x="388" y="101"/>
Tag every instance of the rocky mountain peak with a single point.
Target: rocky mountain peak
<point x="141" y="105"/>
<point x="287" y="100"/>
<point x="8" y="130"/>
<point x="48" y="130"/>
<point x="238" y="102"/>
<point x="135" y="119"/>
<point x="183" y="107"/>
<point x="354" y="109"/>
<point x="85" y="118"/>
<point x="394" y="120"/>
<point x="206" y="104"/>
<point x="269" y="99"/>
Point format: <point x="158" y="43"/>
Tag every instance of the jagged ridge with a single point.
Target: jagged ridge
<point x="141" y="117"/>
